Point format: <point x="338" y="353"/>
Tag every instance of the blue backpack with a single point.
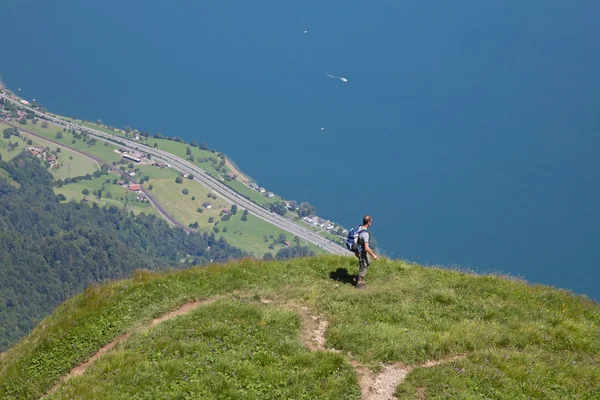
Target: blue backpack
<point x="352" y="239"/>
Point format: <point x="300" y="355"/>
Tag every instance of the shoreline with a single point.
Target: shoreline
<point x="241" y="176"/>
<point x="245" y="190"/>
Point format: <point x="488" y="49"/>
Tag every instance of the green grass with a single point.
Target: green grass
<point x="251" y="193"/>
<point x="519" y="340"/>
<point x="79" y="164"/>
<point x="4" y="174"/>
<point x="9" y="155"/>
<point x="129" y="202"/>
<point x="182" y="207"/>
<point x="247" y="236"/>
<point x="179" y="149"/>
<point x="168" y="194"/>
<point x="205" y="349"/>
<point x="253" y="230"/>
<point x="105" y="153"/>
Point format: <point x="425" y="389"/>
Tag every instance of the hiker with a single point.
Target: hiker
<point x="358" y="242"/>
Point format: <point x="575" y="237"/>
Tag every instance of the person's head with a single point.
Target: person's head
<point x="367" y="220"/>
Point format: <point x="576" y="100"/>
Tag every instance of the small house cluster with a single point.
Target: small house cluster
<point x="319" y="222"/>
<point x="44" y="154"/>
<point x="261" y="190"/>
<point x="17" y="115"/>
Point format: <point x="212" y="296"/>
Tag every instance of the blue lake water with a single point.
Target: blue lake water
<point x="470" y="130"/>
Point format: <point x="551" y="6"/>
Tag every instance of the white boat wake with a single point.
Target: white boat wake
<point x="341" y="78"/>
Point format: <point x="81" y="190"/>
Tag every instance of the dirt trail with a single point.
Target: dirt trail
<point x="81" y="368"/>
<point x="373" y="386"/>
<point x="383" y="385"/>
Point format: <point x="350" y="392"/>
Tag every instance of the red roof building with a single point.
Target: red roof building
<point x="135" y="187"/>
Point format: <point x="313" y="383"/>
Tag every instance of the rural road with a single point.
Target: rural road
<point x="100" y="162"/>
<point x="202" y="177"/>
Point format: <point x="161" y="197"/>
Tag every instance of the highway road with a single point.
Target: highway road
<point x="201" y="176"/>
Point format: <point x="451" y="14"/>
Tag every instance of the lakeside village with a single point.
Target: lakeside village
<point x="291" y="206"/>
<point x="303" y="211"/>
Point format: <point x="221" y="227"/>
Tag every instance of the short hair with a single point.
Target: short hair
<point x="366" y="219"/>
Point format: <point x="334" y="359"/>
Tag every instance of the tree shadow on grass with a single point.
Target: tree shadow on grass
<point x="342" y="275"/>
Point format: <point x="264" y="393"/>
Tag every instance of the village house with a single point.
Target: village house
<point x="287" y="244"/>
<point x="185" y="175"/>
<point x="131" y="172"/>
<point x="86" y="199"/>
<point x="38" y="151"/>
<point x="51" y="160"/>
<point x="135" y="187"/>
<point x="121" y="183"/>
<point x="226" y="210"/>
<point x="270" y="194"/>
<point x="262" y="190"/>
<point x="24" y="102"/>
<point x="207" y="205"/>
<point x="231" y="175"/>
<point x="141" y="197"/>
<point x="159" y="164"/>
<point x="252" y="185"/>
<point x="310" y="219"/>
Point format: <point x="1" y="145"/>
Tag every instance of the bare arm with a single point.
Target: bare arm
<point x="368" y="250"/>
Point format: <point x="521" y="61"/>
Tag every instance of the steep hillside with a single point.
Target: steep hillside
<point x="50" y="251"/>
<point x="300" y="330"/>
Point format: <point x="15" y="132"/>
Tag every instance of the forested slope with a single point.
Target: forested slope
<point x="50" y="251"/>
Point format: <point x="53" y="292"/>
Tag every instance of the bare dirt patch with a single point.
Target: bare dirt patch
<point x="236" y="171"/>
<point x="313" y="330"/>
<point x="81" y="368"/>
<point x="383" y="385"/>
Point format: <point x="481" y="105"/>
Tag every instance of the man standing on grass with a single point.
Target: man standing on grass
<point x="364" y="251"/>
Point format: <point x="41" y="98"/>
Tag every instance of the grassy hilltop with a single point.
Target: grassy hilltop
<point x="299" y="330"/>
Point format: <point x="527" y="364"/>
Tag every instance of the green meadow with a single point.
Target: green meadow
<point x="247" y="338"/>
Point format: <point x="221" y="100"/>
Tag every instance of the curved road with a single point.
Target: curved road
<point x="100" y="162"/>
<point x="201" y="176"/>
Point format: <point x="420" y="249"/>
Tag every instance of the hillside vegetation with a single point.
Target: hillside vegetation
<point x="250" y="330"/>
<point x="50" y="251"/>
